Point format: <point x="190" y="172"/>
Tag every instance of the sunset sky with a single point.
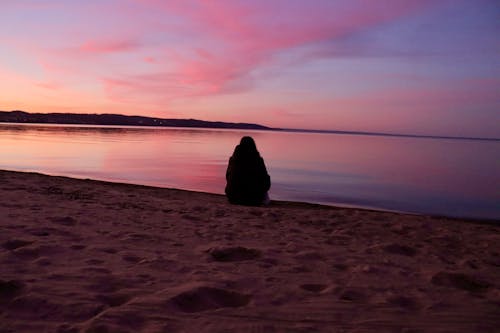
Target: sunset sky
<point x="400" y="66"/>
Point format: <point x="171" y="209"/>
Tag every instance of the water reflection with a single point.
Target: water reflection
<point x="439" y="176"/>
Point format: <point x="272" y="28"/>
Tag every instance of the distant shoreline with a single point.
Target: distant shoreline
<point x="417" y="136"/>
<point x="22" y="117"/>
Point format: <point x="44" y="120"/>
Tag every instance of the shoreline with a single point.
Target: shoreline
<point x="278" y="202"/>
<point x="266" y="128"/>
<point x="86" y="256"/>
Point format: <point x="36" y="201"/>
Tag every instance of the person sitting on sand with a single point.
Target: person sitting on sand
<point x="246" y="175"/>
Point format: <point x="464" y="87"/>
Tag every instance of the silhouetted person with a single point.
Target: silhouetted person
<point x="246" y="175"/>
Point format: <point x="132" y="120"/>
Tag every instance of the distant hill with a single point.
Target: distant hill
<point x="116" y="119"/>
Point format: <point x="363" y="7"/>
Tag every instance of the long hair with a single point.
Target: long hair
<point x="246" y="148"/>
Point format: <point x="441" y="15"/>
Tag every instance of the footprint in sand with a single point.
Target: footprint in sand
<point x="94" y="262"/>
<point x="403" y="302"/>
<point x="459" y="281"/>
<point x="353" y="295"/>
<point x="113" y="300"/>
<point x="40" y="232"/>
<point x="238" y="253"/>
<point x="110" y="250"/>
<point x="10" y="289"/>
<point x="208" y="298"/>
<point x="314" y="287"/>
<point x="340" y="267"/>
<point x="105" y="284"/>
<point x="309" y="256"/>
<point x="399" y="249"/>
<point x="95" y="270"/>
<point x="67" y="220"/>
<point x="27" y="253"/>
<point x="43" y="261"/>
<point x="66" y="328"/>
<point x="131" y="258"/>
<point x="15" y="244"/>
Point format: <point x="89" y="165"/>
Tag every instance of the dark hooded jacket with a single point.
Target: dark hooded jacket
<point x="246" y="175"/>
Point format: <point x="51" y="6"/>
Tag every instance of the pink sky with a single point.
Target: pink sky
<point x="401" y="66"/>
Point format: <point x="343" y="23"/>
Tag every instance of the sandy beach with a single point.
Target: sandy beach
<point x="90" y="256"/>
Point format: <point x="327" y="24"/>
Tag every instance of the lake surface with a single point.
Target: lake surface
<point x="423" y="175"/>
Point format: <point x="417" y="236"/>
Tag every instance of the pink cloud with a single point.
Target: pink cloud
<point x="267" y="26"/>
<point x="49" y="85"/>
<point x="226" y="41"/>
<point x="239" y="37"/>
<point x="158" y="88"/>
<point x="151" y="60"/>
<point x="107" y="46"/>
<point x="192" y="80"/>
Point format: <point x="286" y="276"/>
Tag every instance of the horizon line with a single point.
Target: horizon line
<point x="265" y="127"/>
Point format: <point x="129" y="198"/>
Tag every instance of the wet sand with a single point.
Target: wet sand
<point x="89" y="256"/>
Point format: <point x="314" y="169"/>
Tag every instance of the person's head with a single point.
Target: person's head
<point x="246" y="148"/>
<point x="248" y="144"/>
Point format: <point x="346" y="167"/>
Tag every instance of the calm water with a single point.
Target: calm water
<point x="423" y="175"/>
